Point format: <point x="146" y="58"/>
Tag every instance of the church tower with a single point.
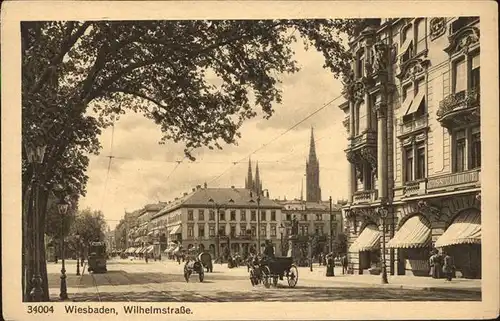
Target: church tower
<point x="313" y="191"/>
<point x="249" y="178"/>
<point x="257" y="183"/>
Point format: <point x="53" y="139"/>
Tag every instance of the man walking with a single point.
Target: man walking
<point x="448" y="266"/>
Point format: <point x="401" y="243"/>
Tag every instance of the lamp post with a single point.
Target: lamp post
<point x="258" y="218"/>
<point x="63" y="209"/>
<point x="35" y="156"/>
<point x="383" y="214"/>
<point x="282" y="230"/>
<point x="217" y="235"/>
<point x="77" y="253"/>
<point x="331" y="226"/>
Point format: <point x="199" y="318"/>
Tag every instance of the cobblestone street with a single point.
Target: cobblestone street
<point x="137" y="281"/>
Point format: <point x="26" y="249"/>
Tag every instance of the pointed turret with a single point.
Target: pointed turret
<point x="249" y="179"/>
<point x="313" y="191"/>
<point x="257" y="182"/>
<point x="312" y="146"/>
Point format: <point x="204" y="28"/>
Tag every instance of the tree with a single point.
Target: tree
<point x="162" y="69"/>
<point x="90" y="225"/>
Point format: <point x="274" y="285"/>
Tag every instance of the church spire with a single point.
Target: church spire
<point x="257" y="183"/>
<point x="313" y="191"/>
<point x="249" y="180"/>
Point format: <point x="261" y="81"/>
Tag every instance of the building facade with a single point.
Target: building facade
<point x="413" y="117"/>
<point x="315" y="219"/>
<point x="192" y="220"/>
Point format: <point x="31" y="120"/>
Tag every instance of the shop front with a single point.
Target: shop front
<point x="367" y="245"/>
<point x="462" y="241"/>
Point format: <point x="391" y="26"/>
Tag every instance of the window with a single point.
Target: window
<point x="233" y="231"/>
<point x="273" y="215"/>
<point x="334" y="232"/>
<point x="475" y="74"/>
<point x="201" y="231"/>
<point x="420" y="36"/>
<point x="316" y="231"/>
<point x="273" y="231"/>
<point x="254" y="231"/>
<point x="288" y="217"/>
<point x="420" y="158"/>
<point x="460" y="152"/>
<point x="304" y="230"/>
<point x="233" y="215"/>
<point x="222" y="231"/>
<point x="201" y="215"/>
<point x="211" y="231"/>
<point x="190" y="215"/>
<point x="263" y="215"/>
<point x="318" y="217"/>
<point x="243" y="229"/>
<point x="211" y="215"/>
<point x="263" y="231"/>
<point x="243" y="215"/>
<point x="408" y="164"/>
<point x="222" y="215"/>
<point x="406" y="48"/>
<point x="253" y="216"/>
<point x="459" y="79"/>
<point x="475" y="148"/>
<point x="361" y="64"/>
<point x="304" y="217"/>
<point x="334" y="217"/>
<point x="190" y="231"/>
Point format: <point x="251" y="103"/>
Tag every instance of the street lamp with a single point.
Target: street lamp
<point x="382" y="211"/>
<point x="35" y="155"/>
<point x="77" y="253"/>
<point x="217" y="236"/>
<point x="282" y="230"/>
<point x="63" y="209"/>
<point x="258" y="218"/>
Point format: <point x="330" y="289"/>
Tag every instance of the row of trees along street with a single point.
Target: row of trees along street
<point x="79" y="77"/>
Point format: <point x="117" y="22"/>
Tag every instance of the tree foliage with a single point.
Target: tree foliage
<point x="90" y="225"/>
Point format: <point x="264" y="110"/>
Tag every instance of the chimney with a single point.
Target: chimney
<point x="198" y="186"/>
<point x="184" y="194"/>
<point x="232" y="187"/>
<point x="176" y="198"/>
<point x="205" y="185"/>
<point x="193" y="189"/>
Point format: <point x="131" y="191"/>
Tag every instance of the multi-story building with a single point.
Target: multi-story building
<point x="413" y="117"/>
<point x="314" y="218"/>
<point x="192" y="219"/>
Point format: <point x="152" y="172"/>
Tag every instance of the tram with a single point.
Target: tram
<point x="97" y="257"/>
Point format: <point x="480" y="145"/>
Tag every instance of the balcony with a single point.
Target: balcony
<point x="368" y="138"/>
<point x="414" y="188"/>
<point x="413" y="125"/>
<point x="365" y="197"/>
<point x="460" y="108"/>
<point x="454" y="181"/>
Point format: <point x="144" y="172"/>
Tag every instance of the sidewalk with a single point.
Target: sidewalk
<point x="395" y="281"/>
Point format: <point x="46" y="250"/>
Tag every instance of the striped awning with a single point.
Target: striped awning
<point x="367" y="240"/>
<point x="144" y="249"/>
<point x="170" y="248"/>
<point x="175" y="230"/>
<point x="138" y="250"/>
<point x="131" y="250"/>
<point x="414" y="233"/>
<point x="150" y="249"/>
<point x="465" y="229"/>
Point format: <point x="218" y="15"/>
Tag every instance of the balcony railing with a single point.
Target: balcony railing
<point x="462" y="100"/>
<point x="413" y="125"/>
<point x="365" y="196"/>
<point x="415" y="188"/>
<point x="366" y="138"/>
<point x="454" y="180"/>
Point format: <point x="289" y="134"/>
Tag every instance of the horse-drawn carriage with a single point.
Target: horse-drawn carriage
<point x="206" y="260"/>
<point x="269" y="270"/>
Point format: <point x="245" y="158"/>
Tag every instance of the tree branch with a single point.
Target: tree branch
<point x="59" y="57"/>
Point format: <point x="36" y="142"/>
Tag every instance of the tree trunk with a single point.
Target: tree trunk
<point x="42" y="205"/>
<point x="29" y="268"/>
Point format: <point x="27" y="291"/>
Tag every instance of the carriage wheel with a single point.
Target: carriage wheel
<point x="292" y="276"/>
<point x="201" y="275"/>
<point x="266" y="276"/>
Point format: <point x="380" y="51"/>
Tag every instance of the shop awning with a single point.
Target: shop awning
<point x="367" y="240"/>
<point x="138" y="250"/>
<point x="177" y="250"/>
<point x="150" y="233"/>
<point x="175" y="230"/>
<point x="466" y="229"/>
<point x="150" y="249"/>
<point x="416" y="103"/>
<point x="131" y="250"/>
<point x="144" y="249"/>
<point x="137" y="239"/>
<point x="170" y="248"/>
<point x="415" y="232"/>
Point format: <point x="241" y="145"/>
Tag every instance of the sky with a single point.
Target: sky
<point x="143" y="171"/>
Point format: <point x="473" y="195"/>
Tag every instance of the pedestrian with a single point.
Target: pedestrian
<point x="448" y="266"/>
<point x="344" y="264"/>
<point x="432" y="264"/>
